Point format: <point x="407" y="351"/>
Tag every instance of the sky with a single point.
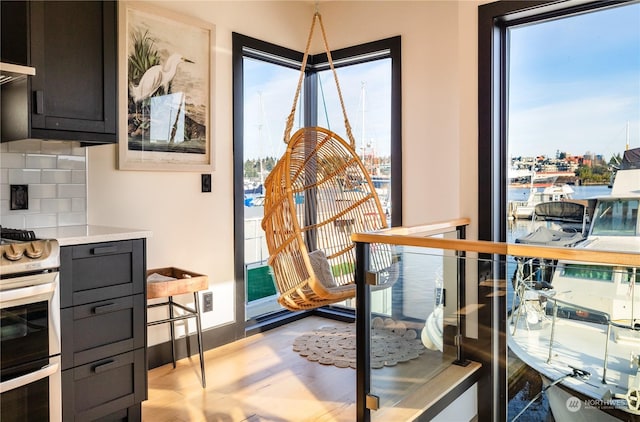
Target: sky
<point x="574" y="87"/>
<point x="574" y="84"/>
<point x="269" y="93"/>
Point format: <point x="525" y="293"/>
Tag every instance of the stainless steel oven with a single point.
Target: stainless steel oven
<point x="30" y="381"/>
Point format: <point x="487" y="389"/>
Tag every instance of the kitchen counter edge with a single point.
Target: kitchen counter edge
<point x="79" y="235"/>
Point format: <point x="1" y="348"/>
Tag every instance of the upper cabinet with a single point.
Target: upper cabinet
<point x="14" y="41"/>
<point x="73" y="46"/>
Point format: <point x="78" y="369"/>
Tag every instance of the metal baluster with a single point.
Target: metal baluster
<point x="553" y="329"/>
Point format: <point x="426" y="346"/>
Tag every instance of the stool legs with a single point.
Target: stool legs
<point x="186" y="314"/>
<point x="173" y="332"/>
<point x="199" y="333"/>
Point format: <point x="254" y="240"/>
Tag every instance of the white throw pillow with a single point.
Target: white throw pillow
<point x="321" y="268"/>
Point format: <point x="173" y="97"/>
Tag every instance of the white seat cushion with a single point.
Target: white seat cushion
<point x="321" y="268"/>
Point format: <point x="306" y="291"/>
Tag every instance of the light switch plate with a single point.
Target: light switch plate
<point x="206" y="183"/>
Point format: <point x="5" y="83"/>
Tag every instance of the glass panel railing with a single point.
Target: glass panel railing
<point x="569" y="316"/>
<point x="409" y="319"/>
<point x="417" y="341"/>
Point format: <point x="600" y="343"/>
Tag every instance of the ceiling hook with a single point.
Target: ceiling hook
<point x="317" y="7"/>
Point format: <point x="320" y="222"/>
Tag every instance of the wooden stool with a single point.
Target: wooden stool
<point x="169" y="282"/>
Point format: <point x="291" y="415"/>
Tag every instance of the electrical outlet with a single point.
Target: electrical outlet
<point x="19" y="197"/>
<point x="207" y="302"/>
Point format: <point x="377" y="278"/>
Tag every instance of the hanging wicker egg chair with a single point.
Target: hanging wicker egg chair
<point x="316" y="196"/>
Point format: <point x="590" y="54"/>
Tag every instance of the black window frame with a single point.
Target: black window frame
<point x="245" y="46"/>
<point x="494" y="20"/>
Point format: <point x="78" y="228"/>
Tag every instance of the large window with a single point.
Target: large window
<point x="559" y="94"/>
<point x="265" y="78"/>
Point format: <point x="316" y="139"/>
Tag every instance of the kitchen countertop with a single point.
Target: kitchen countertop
<point x="78" y="235"/>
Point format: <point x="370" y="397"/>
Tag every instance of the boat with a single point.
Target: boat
<point x="580" y="330"/>
<point x="520" y="176"/>
<point x="253" y="189"/>
<point x="524" y="209"/>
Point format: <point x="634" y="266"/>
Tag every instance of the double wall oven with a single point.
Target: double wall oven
<point x="30" y="381"/>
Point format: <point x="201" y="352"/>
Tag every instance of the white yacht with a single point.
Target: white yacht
<point x="582" y="332"/>
<point x="525" y="209"/>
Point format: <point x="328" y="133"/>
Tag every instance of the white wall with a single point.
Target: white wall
<point x="439" y="61"/>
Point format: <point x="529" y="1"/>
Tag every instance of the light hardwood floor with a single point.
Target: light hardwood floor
<point x="259" y="378"/>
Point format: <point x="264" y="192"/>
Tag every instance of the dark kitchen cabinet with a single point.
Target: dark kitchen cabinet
<point x="14" y="46"/>
<point x="103" y="330"/>
<point x="74" y="51"/>
<point x="73" y="46"/>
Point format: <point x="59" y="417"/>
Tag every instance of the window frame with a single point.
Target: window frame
<point x="494" y="19"/>
<point x="245" y="46"/>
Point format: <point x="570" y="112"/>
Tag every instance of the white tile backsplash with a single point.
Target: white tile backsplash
<point x="34" y="206"/>
<point x="56" y="147"/>
<point x="27" y="145"/>
<point x="56" y="176"/>
<point x="58" y="205"/>
<point x="24" y="176"/>
<point x="40" y="161"/>
<point x="56" y="173"/>
<point x="79" y="205"/>
<point x="71" y="162"/>
<point x="72" y="219"/>
<point x="72" y="191"/>
<point x="78" y="176"/>
<point x="15" y="221"/>
<point x="41" y="220"/>
<point x="12" y="160"/>
<point x="43" y="191"/>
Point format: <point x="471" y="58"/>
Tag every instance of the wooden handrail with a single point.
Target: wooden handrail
<point x="415" y="236"/>
<point x="427" y="229"/>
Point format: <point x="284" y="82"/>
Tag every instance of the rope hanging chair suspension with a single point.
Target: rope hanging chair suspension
<point x="318" y="193"/>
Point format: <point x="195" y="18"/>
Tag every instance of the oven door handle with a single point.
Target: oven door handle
<point x="44" y="372"/>
<point x="26" y="292"/>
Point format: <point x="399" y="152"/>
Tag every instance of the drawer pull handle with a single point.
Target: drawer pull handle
<point x="104" y="250"/>
<point x="39" y="102"/>
<point x="104" y="366"/>
<point x="103" y="309"/>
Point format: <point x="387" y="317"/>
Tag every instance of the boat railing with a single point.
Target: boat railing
<point x="525" y="291"/>
<point x="525" y="285"/>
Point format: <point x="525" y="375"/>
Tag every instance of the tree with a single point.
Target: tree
<point x="615" y="159"/>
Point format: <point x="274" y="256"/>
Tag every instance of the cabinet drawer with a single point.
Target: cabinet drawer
<point x="100" y="271"/>
<point x="103" y="387"/>
<point x="102" y="329"/>
<point x="131" y="414"/>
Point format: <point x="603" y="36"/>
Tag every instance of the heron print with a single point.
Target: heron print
<point x="168" y="85"/>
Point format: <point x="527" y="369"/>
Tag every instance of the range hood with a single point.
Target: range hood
<point x="14" y="100"/>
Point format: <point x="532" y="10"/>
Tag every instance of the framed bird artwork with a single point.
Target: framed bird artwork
<point x="165" y="90"/>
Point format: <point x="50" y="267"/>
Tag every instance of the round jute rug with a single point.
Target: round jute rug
<point x="391" y="343"/>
